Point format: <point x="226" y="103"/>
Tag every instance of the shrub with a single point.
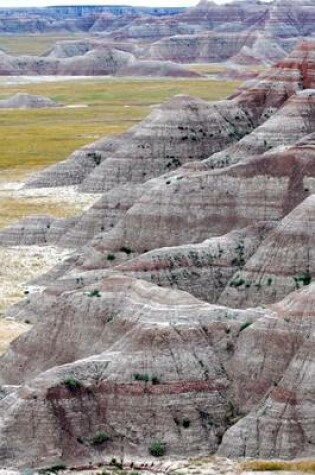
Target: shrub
<point x="141" y="377"/>
<point x="186" y="423"/>
<point x="126" y="250"/>
<point x="245" y="325"/>
<point x="115" y="463"/>
<point x="305" y="278"/>
<point x="111" y="257"/>
<point x="54" y="468"/>
<point x="157" y="448"/>
<point x="72" y="383"/>
<point x="100" y="437"/>
<point x="94" y="293"/>
<point x="237" y="282"/>
<point x="155" y="380"/>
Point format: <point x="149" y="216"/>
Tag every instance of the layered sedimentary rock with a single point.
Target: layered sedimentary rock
<point x="292" y="122"/>
<point x="84" y="60"/>
<point x="281" y="426"/>
<point x="36" y="230"/>
<point x="144" y="346"/>
<point x="209" y="47"/>
<point x="197" y="205"/>
<point x="137" y="337"/>
<point x="264" y="50"/>
<point x="76" y="18"/>
<point x="187" y="129"/>
<point x="202" y="269"/>
<point x="182" y="130"/>
<point x="284" y="262"/>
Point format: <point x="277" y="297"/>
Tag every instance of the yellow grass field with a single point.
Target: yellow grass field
<point x="34" y="139"/>
<point x="31" y="139"/>
<point x="298" y="466"/>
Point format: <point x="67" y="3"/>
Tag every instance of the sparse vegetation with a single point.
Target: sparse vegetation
<point x="71" y="383"/>
<point x="155" y="380"/>
<point x="53" y="469"/>
<point x="237" y="282"/>
<point x="126" y="250"/>
<point x="111" y="257"/>
<point x="303" y="279"/>
<point x="302" y="466"/>
<point x="186" y="423"/>
<point x="157" y="448"/>
<point x="100" y="437"/>
<point x="28" y="137"/>
<point x="245" y="325"/>
<point x="146" y="378"/>
<point x="116" y="464"/>
<point x="94" y="293"/>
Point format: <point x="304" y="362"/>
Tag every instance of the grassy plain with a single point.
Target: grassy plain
<point x="31" y="139"/>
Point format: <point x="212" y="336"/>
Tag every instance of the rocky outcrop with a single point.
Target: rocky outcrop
<point x="210" y="47"/>
<point x="182" y="130"/>
<point x="74" y="19"/>
<point x="27" y="101"/>
<point x="88" y="59"/>
<point x="281" y="426"/>
<point x="143" y="345"/>
<point x="284" y="262"/>
<point x="202" y="269"/>
<point x="36" y="230"/>
<point x="184" y="209"/>
<point x="264" y="50"/>
<point x="173" y="135"/>
<point x="293" y="121"/>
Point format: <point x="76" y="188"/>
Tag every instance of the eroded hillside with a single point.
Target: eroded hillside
<point x="184" y="317"/>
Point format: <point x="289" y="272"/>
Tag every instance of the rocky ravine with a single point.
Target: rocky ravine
<point x="185" y="314"/>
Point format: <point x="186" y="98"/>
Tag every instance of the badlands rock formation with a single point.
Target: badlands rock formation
<point x="244" y="32"/>
<point x="185" y="314"/>
<point x="85" y="60"/>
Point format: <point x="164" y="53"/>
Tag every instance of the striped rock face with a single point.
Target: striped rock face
<point x="185" y="314"/>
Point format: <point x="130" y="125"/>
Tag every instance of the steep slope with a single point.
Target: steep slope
<point x="284" y="262"/>
<point x="202" y="269"/>
<point x="210" y="47"/>
<point x="197" y="205"/>
<point x="132" y="157"/>
<point x="182" y="130"/>
<point x="143" y="347"/>
<point x="122" y="352"/>
<point x="292" y="122"/>
<point x="281" y="426"/>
